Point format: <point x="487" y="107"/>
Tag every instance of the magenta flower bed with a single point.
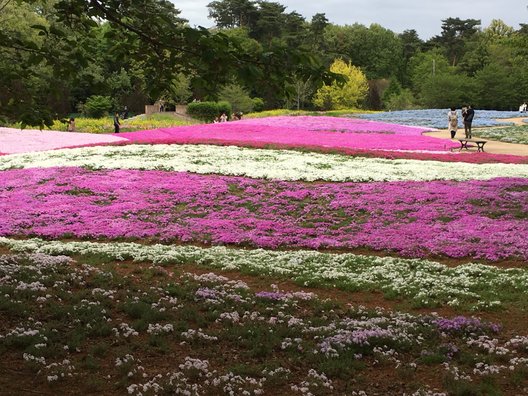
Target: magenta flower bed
<point x="480" y="219"/>
<point x="260" y="135"/>
<point x="336" y="124"/>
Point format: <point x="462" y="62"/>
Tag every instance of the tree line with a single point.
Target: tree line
<point x="61" y="56"/>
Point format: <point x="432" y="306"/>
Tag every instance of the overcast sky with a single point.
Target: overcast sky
<point x="425" y="16"/>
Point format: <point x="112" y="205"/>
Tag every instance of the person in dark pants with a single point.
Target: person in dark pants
<point x="468" y="119"/>
<point x="117" y="124"/>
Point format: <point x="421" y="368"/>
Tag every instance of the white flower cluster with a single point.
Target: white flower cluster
<point x="259" y="163"/>
<point x="103" y="292"/>
<point x="192" y="334"/>
<point x="196" y="378"/>
<point x="124" y="330"/>
<point x="422" y="280"/>
<point x="157" y="329"/>
<point x="314" y="381"/>
<point x="488" y="344"/>
<point x="60" y="370"/>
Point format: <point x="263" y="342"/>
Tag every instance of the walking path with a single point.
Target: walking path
<point x="492" y="146"/>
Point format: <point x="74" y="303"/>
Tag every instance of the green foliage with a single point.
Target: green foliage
<point x="208" y="111"/>
<point x="106" y="125"/>
<point x="224" y="107"/>
<point x="494" y="87"/>
<point x="97" y="106"/>
<point x="393" y="89"/>
<point x="258" y="104"/>
<point x="446" y="90"/>
<point x="514" y="134"/>
<point x="179" y="91"/>
<point x="55" y="54"/>
<point x="238" y="97"/>
<point x="342" y="95"/>
<point x="404" y="100"/>
<point x="376" y="50"/>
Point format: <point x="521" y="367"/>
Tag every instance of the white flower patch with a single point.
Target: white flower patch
<point x="421" y="280"/>
<point x="103" y="292"/>
<point x="192" y="334"/>
<point x="60" y="370"/>
<point x="260" y="163"/>
<point x="233" y="317"/>
<point x="157" y="329"/>
<point x="124" y="329"/>
<point x="490" y="345"/>
<point x="313" y="381"/>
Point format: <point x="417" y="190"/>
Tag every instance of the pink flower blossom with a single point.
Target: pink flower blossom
<point x="327" y="133"/>
<point x="480" y="219"/>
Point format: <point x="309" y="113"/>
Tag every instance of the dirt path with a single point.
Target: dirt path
<point x="492" y="146"/>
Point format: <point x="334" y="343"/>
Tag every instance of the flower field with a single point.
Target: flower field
<point x="437" y="118"/>
<point x="513" y="134"/>
<point x="320" y="255"/>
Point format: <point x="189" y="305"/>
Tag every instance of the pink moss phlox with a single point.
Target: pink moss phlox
<point x="253" y="134"/>
<point x="337" y="124"/>
<point x="480" y="219"/>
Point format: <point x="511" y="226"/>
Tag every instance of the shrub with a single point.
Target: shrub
<point x="97" y="106"/>
<point x="205" y="111"/>
<point x="224" y="107"/>
<point x="208" y="111"/>
<point x="258" y="104"/>
<point x="401" y="101"/>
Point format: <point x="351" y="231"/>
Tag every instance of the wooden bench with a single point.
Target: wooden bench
<point x="464" y="144"/>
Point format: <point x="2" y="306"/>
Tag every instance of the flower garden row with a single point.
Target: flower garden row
<point x="104" y="325"/>
<point x="480" y="219"/>
<point x="261" y="163"/>
<point x="424" y="283"/>
<point x="118" y="309"/>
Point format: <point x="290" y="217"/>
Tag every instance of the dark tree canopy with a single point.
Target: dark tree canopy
<point x="57" y="54"/>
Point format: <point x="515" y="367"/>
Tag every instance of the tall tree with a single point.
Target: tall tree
<point x="233" y="13"/>
<point x="411" y="45"/>
<point x="270" y="22"/>
<point x="318" y="25"/>
<point x="455" y="33"/>
<point x="378" y="51"/>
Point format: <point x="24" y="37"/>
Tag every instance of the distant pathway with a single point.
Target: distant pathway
<point x="493" y="147"/>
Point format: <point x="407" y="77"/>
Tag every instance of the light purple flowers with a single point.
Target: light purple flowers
<point x="465" y="324"/>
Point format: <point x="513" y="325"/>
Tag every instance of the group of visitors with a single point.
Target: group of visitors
<point x="223" y="117"/>
<point x="468" y="113"/>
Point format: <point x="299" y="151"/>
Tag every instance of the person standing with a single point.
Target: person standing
<point x="223" y="117"/>
<point x="452" y="122"/>
<point x="71" y="125"/>
<point x="468" y="119"/>
<point x="117" y="124"/>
